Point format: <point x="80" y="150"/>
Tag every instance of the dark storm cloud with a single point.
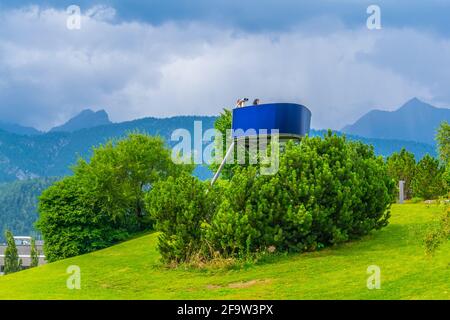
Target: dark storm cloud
<point x="188" y="62"/>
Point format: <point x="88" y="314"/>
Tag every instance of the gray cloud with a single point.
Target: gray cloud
<point x="48" y="73"/>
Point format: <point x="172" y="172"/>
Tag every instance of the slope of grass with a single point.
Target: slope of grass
<point x="132" y="270"/>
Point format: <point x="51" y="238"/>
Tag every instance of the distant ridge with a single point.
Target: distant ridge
<point x="18" y="129"/>
<point x="85" y="119"/>
<point x="385" y="147"/>
<point x="413" y="121"/>
<point x="52" y="154"/>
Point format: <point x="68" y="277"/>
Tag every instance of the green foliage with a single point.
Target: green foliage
<point x="180" y="207"/>
<point x="103" y="202"/>
<point x="222" y="124"/>
<point x="12" y="261"/>
<point x="443" y="141"/>
<point x="401" y="166"/>
<point x="428" y="180"/>
<point x="416" y="200"/>
<point x="438" y="233"/>
<point x="72" y="221"/>
<point x="120" y="173"/>
<point x="326" y="191"/>
<point x="233" y="230"/>
<point x="34" y="254"/>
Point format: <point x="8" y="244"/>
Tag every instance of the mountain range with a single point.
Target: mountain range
<point x="414" y="121"/>
<point x="52" y="153"/>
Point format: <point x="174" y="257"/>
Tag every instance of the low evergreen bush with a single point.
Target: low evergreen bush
<point x="326" y="191"/>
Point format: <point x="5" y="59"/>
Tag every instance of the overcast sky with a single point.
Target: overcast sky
<point x="161" y="58"/>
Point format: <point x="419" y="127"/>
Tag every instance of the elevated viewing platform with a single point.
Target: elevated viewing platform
<point x="291" y="119"/>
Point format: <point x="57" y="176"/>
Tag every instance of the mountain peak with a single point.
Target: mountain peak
<point x="85" y="119"/>
<point x="91" y="112"/>
<point x="414" y="100"/>
<point x="415" y="121"/>
<point x="415" y="104"/>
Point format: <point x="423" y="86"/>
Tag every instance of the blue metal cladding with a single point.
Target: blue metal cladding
<point x="291" y="119"/>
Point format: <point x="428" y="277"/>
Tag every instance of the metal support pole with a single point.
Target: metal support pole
<point x="216" y="176"/>
<point x="401" y="191"/>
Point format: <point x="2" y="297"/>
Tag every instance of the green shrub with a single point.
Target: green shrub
<point x="180" y="206"/>
<point x="326" y="191"/>
<point x="233" y="229"/>
<point x="428" y="182"/>
<point x="438" y="233"/>
<point x="417" y="199"/>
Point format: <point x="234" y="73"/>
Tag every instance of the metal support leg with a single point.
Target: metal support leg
<point x="216" y="176"/>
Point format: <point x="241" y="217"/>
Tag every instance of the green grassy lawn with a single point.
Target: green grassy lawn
<point x="132" y="270"/>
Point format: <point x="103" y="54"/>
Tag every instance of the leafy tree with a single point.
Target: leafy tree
<point x="72" y="222"/>
<point x="34" y="254"/>
<point x="222" y="124"/>
<point x="120" y="173"/>
<point x="12" y="261"/>
<point x="103" y="202"/>
<point x="428" y="180"/>
<point x="443" y="141"/>
<point x="401" y="166"/>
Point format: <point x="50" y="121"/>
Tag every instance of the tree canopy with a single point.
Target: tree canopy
<point x="401" y="166"/>
<point x="103" y="202"/>
<point x="443" y="141"/>
<point x="12" y="261"/>
<point x="428" y="180"/>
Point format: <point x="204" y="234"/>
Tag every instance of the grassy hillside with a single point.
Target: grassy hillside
<point x="132" y="270"/>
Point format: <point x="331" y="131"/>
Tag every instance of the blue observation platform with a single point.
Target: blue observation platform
<point x="292" y="120"/>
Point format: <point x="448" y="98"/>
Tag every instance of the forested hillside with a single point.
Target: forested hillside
<point x="386" y="147"/>
<point x="18" y="202"/>
<point x="52" y="154"/>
